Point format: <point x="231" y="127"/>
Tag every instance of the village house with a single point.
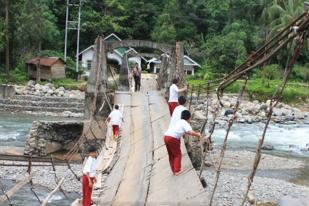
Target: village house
<point x="116" y="56"/>
<point x="50" y="68"/>
<point x="189" y="65"/>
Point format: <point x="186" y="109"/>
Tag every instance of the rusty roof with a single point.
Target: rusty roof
<point x="45" y="61"/>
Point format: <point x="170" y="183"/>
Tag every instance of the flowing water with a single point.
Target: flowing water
<point x="287" y="139"/>
<point x="25" y="197"/>
<point x="13" y="131"/>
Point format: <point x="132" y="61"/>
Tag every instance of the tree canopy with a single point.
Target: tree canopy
<point x="219" y="34"/>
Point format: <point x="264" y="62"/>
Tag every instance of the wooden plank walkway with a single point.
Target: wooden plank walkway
<point x="142" y="175"/>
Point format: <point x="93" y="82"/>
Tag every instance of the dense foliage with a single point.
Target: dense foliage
<point x="217" y="34"/>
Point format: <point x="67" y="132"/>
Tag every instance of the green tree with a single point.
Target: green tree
<point x="2" y="33"/>
<point x="279" y="13"/>
<point x="36" y="26"/>
<point x="227" y="50"/>
<point x="101" y="17"/>
<point x="141" y="17"/>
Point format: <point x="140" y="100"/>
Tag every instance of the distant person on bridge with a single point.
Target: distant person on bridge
<point x="137" y="78"/>
<point x="89" y="172"/>
<point x="172" y="140"/>
<point x="176" y="116"/>
<point x="115" y="117"/>
<point x="173" y="96"/>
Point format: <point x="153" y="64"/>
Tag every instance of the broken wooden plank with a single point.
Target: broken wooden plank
<point x="16" y="187"/>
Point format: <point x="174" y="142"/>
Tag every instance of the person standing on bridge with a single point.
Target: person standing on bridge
<point x="137" y="78"/>
<point x="88" y="179"/>
<point x="173" y="96"/>
<point x="116" y="118"/>
<point x="172" y="140"/>
<point x="176" y="116"/>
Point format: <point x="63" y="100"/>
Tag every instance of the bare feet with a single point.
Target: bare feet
<point x="178" y="173"/>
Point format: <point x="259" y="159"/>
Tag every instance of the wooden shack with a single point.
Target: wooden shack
<point x="50" y="68"/>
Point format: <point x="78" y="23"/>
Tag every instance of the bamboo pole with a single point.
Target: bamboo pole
<point x="50" y="195"/>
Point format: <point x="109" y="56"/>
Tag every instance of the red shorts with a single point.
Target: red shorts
<point x="115" y="129"/>
<point x="174" y="153"/>
<point x="172" y="106"/>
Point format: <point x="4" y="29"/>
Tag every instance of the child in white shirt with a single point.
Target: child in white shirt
<point x="172" y="140"/>
<point x="176" y="116"/>
<point x="89" y="172"/>
<point x="173" y="96"/>
<point x="116" y="118"/>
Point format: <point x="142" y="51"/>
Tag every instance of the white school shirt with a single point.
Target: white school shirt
<point x="173" y="93"/>
<point x="90" y="166"/>
<point x="176" y="115"/>
<point x="116" y="117"/>
<point x="178" y="129"/>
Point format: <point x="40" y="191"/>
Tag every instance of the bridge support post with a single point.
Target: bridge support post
<point x="163" y="75"/>
<point x="97" y="83"/>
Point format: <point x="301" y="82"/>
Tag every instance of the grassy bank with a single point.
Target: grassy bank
<point x="262" y="90"/>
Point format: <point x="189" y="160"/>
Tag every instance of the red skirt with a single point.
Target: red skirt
<point x="172" y="106"/>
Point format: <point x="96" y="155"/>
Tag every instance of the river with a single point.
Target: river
<point x="287" y="139"/>
<point x="25" y="197"/>
<point x="13" y="131"/>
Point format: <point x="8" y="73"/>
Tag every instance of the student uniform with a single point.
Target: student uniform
<point x="90" y="167"/>
<point x="172" y="142"/>
<point x="173" y="98"/>
<point x="116" y="118"/>
<point x="176" y="116"/>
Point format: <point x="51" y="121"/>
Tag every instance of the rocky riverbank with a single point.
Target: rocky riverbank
<point x="249" y="111"/>
<point x="44" y="175"/>
<point x="46" y="100"/>
<point x="271" y="182"/>
<point x="47" y="90"/>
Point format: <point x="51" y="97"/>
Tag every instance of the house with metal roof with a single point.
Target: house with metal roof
<point x="189" y="65"/>
<point x="115" y="56"/>
<point x="50" y="68"/>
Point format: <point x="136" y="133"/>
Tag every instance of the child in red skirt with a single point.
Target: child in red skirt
<point x="172" y="140"/>
<point x="173" y="96"/>
<point x="115" y="117"/>
<point x="89" y="172"/>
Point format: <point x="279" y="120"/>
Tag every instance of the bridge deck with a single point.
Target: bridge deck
<point x="142" y="175"/>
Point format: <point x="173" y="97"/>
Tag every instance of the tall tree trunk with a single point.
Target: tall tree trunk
<point x="38" y="66"/>
<point x="7" y="39"/>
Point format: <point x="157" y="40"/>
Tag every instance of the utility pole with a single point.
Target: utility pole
<point x="78" y="32"/>
<point x="72" y="25"/>
<point x="7" y="39"/>
<point x="66" y="31"/>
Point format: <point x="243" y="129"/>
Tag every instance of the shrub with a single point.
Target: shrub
<point x="301" y="73"/>
<point x="70" y="84"/>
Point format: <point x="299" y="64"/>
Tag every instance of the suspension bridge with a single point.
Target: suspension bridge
<point x="134" y="170"/>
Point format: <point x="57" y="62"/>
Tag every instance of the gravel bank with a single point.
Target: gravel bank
<point x="270" y="183"/>
<point x="44" y="175"/>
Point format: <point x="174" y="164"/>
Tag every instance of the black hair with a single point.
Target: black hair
<point x="182" y="100"/>
<point x="175" y="80"/>
<point x="186" y="115"/>
<point x="116" y="106"/>
<point x="92" y="149"/>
